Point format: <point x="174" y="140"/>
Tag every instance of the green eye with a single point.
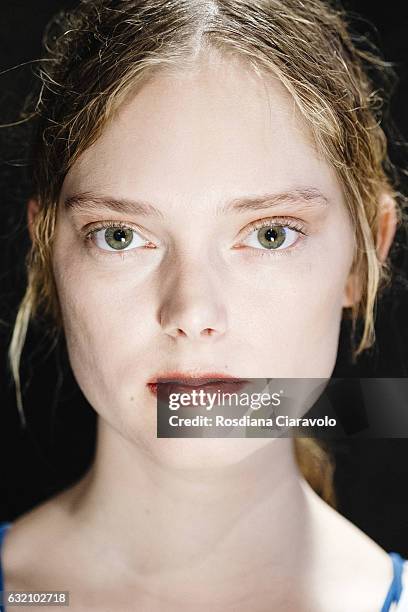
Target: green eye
<point x="278" y="236"/>
<point x="118" y="237"/>
<point x="271" y="237"/>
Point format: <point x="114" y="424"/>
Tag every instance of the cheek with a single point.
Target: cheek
<point x="319" y="302"/>
<point x="295" y="306"/>
<point x="296" y="330"/>
<point x="106" y="327"/>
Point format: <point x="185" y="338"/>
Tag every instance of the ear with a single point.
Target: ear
<point x="387" y="227"/>
<point x="33" y="207"/>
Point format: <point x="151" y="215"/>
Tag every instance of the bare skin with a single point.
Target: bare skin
<point x="181" y="524"/>
<point x="300" y="562"/>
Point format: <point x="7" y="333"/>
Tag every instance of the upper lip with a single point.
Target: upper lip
<point x="195" y="379"/>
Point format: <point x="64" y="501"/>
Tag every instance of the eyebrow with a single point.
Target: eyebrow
<point x="306" y="197"/>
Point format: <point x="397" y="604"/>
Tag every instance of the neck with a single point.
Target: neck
<point x="218" y="525"/>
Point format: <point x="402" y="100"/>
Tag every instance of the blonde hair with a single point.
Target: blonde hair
<point x="98" y="53"/>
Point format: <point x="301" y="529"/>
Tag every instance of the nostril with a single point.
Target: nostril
<point x="207" y="331"/>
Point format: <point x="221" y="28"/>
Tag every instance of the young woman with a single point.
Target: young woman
<point x="211" y="200"/>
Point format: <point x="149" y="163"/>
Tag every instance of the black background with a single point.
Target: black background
<point x="371" y="476"/>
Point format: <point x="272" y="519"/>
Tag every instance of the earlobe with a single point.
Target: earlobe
<point x="352" y="291"/>
<point x="33" y="208"/>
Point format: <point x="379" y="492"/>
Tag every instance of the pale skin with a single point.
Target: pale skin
<point x="187" y="524"/>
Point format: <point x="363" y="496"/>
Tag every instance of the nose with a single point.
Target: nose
<point x="192" y="305"/>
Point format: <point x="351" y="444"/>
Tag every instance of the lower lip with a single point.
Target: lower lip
<point x="213" y="387"/>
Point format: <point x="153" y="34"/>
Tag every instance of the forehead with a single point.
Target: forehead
<point x="213" y="130"/>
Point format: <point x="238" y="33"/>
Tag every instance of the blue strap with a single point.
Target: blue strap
<point x="395" y="590"/>
<point x="3" y="530"/>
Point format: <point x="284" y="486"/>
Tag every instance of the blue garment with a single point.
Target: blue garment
<point x="395" y="590"/>
<point x="393" y="595"/>
<point x="3" y="529"/>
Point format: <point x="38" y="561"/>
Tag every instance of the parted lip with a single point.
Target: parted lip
<point x="184" y="380"/>
<point x="194" y="380"/>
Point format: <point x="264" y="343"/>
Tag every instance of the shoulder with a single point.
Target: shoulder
<point x="346" y="556"/>
<point x="34" y="543"/>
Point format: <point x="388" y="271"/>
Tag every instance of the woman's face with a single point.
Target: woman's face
<point x="194" y="175"/>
